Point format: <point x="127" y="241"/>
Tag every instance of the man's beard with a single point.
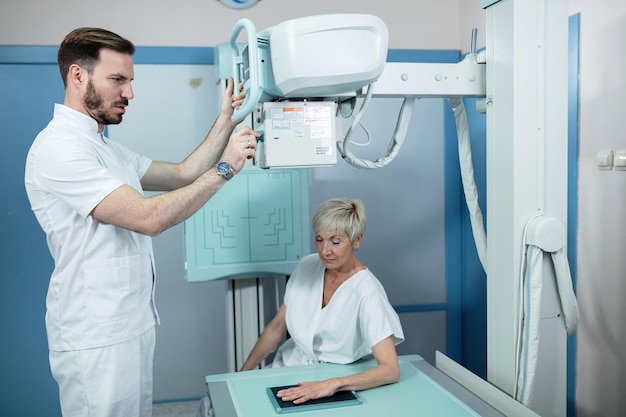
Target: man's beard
<point x="94" y="102"/>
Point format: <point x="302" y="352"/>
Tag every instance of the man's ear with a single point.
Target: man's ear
<point x="76" y="75"/>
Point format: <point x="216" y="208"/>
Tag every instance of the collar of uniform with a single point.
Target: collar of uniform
<point x="77" y="119"/>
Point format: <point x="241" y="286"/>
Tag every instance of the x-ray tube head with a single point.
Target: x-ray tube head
<point x="323" y="56"/>
<point x="327" y="55"/>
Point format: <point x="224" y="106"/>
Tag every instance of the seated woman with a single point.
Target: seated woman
<point x="335" y="310"/>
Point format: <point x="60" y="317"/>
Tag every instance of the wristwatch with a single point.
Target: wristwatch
<point x="225" y="170"/>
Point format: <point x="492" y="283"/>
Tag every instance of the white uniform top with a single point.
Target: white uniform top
<point x="357" y="317"/>
<point x="101" y="291"/>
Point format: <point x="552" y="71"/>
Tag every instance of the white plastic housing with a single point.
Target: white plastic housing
<point x="326" y="55"/>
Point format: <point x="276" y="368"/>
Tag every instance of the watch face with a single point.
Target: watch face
<point x="223" y="168"/>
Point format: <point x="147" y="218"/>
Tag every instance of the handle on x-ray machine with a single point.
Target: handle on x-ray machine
<point x="251" y="85"/>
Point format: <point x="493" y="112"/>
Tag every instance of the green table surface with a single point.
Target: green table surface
<point x="422" y="391"/>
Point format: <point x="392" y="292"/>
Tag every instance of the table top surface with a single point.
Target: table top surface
<point x="422" y="390"/>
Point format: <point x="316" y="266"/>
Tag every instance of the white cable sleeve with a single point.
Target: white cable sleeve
<point x="467" y="177"/>
<point x="520" y="304"/>
<point x="542" y="235"/>
<point x="567" y="298"/>
<point x="343" y="143"/>
<point x="395" y="143"/>
<point x="531" y="301"/>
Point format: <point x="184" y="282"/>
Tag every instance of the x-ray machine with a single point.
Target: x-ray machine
<point x="300" y="74"/>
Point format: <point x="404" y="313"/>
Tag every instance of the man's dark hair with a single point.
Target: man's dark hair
<point x="82" y="47"/>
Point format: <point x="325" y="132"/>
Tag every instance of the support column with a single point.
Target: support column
<point x="526" y="155"/>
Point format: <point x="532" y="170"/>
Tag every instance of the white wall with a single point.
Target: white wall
<point x="412" y="25"/>
<point x="601" y="336"/>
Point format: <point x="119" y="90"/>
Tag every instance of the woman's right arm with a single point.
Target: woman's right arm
<point x="269" y="339"/>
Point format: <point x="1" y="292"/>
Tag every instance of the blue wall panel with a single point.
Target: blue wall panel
<point x="27" y="387"/>
<point x="572" y="189"/>
<point x="467" y="281"/>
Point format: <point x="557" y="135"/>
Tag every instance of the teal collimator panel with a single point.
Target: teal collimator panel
<point x="256" y="225"/>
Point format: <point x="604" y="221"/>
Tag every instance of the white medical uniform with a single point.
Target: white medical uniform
<point x="101" y="292"/>
<point x="357" y="317"/>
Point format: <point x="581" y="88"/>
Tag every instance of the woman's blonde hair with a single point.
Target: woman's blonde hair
<point x="341" y="215"/>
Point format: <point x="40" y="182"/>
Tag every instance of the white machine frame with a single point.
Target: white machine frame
<point x="527" y="52"/>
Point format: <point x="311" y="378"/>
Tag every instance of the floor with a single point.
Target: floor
<point x="179" y="409"/>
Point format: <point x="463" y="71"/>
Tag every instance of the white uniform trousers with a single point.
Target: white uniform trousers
<point x="112" y="381"/>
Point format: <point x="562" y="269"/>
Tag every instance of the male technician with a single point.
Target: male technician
<point x="87" y="194"/>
